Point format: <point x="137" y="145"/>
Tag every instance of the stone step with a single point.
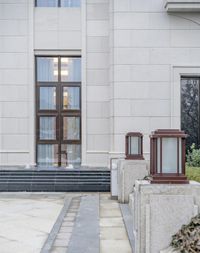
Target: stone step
<point x="52" y="174"/>
<point x="55" y="176"/>
<point x="54" y="187"/>
<point x="55" y="181"/>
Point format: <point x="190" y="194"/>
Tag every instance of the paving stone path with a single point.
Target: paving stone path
<point x="62" y="239"/>
<point x="113" y="235"/>
<point x="89" y="223"/>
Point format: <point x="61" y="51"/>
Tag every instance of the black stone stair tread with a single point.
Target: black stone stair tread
<point x="58" y="181"/>
<point x="51" y="175"/>
<point x="50" y="178"/>
<point x="52" y="181"/>
<point x="55" y="171"/>
<point x="48" y="175"/>
<point x="86" y="188"/>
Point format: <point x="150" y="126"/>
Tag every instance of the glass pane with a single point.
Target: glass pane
<point x="70" y="3"/>
<point x="71" y="128"/>
<point x="71" y="155"/>
<point x="71" y="98"/>
<point x="133" y="145"/>
<point x="190" y="110"/>
<point x="47" y="3"/>
<point x="139" y="146"/>
<point x="169" y="155"/>
<point x="47" y="100"/>
<point x="70" y="69"/>
<point x="47" y="128"/>
<point x="47" y="69"/>
<point x="47" y="155"/>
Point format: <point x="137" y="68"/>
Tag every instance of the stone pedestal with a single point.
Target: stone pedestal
<point x="128" y="172"/>
<point x="159" y="212"/>
<point x="169" y="250"/>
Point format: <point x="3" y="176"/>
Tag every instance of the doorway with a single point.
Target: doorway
<point x="58" y="111"/>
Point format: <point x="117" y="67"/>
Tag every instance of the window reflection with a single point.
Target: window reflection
<point x="190" y="109"/>
<point x="71" y="154"/>
<point x="47" y="3"/>
<point x="47" y="100"/>
<point x="70" y="3"/>
<point x="47" y="128"/>
<point x="70" y="69"/>
<point x="47" y="154"/>
<point x="57" y="3"/>
<point x="71" y="128"/>
<point x="47" y="69"/>
<point x="71" y="98"/>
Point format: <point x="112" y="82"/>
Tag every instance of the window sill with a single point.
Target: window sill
<point x="182" y="6"/>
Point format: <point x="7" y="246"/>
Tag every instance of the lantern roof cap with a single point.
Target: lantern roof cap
<point x="134" y="134"/>
<point x="168" y="133"/>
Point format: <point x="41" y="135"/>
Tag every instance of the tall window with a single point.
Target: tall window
<point x="58" y="3"/>
<point x="58" y="96"/>
<point x="190" y="109"/>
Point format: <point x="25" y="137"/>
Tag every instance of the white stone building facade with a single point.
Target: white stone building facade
<point x="133" y="56"/>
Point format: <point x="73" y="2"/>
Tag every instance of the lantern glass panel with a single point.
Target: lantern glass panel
<point x="133" y="145"/>
<point x="169" y="155"/>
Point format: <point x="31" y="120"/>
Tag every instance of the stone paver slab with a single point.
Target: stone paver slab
<point x="111" y="222"/>
<point x="113" y="233"/>
<point x="58" y="250"/>
<point x="61" y="242"/>
<point x="115" y="246"/>
<point x="110" y="212"/>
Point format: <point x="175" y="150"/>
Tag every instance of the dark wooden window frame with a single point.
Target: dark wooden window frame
<point x="59" y="113"/>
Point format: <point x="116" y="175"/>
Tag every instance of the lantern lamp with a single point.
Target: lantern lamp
<point x="167" y="156"/>
<point x="134" y="146"/>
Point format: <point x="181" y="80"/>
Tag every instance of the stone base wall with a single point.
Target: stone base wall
<point x="159" y="211"/>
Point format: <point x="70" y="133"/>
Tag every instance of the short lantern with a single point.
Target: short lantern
<point x="167" y="156"/>
<point x="134" y="146"/>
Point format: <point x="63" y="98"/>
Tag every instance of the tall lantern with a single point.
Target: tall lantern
<point x="134" y="146"/>
<point x="167" y="157"/>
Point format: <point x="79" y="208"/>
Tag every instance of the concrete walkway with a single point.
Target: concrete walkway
<point x="26" y="220"/>
<point x="86" y="228"/>
<point x="62" y="223"/>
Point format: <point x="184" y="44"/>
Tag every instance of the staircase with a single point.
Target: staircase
<point x="55" y="181"/>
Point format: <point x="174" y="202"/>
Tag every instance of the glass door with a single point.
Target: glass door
<point x="58" y="107"/>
